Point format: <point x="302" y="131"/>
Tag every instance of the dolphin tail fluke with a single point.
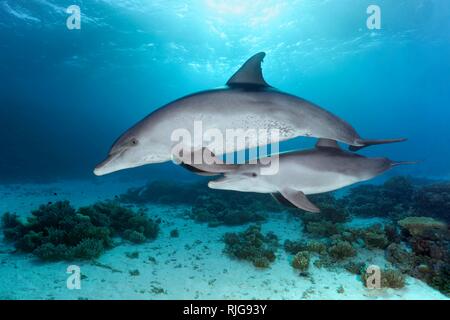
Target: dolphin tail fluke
<point x="366" y="143"/>
<point x="400" y="163"/>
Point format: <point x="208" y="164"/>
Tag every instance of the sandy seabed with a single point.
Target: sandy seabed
<point x="191" y="266"/>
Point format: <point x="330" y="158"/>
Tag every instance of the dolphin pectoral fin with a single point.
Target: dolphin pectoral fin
<point x="299" y="199"/>
<point x="327" y="143"/>
<point x="203" y="162"/>
<point x="250" y="73"/>
<point x="282" y="200"/>
<point x="198" y="171"/>
<point x="366" y="143"/>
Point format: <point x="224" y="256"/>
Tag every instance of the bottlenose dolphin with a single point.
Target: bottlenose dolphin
<point x="246" y="102"/>
<point x="322" y="169"/>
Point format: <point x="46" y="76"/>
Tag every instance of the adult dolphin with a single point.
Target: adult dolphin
<point x="322" y="169"/>
<point x="247" y="102"/>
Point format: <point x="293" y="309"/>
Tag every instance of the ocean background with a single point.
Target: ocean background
<point x="66" y="95"/>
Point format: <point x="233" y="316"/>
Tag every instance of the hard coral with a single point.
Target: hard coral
<point x="424" y="227"/>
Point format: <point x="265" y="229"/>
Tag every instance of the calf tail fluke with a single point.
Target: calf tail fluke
<point x="367" y="143"/>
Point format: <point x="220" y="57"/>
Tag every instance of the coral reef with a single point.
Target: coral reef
<point x="393" y="198"/>
<point x="295" y="246"/>
<point x="400" y="197"/>
<point x="376" y="236"/>
<point x="252" y="245"/>
<point x="166" y="192"/>
<point x="433" y="200"/>
<point x="331" y="209"/>
<point x="427" y="254"/>
<point x="60" y="232"/>
<point x="228" y="208"/>
<point x="322" y="228"/>
<point x="215" y="208"/>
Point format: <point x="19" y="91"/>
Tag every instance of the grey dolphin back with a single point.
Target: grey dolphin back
<point x="250" y="73"/>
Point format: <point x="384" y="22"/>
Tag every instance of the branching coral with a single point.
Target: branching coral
<point x="252" y="245"/>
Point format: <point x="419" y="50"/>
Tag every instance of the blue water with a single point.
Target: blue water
<point x="66" y="95"/>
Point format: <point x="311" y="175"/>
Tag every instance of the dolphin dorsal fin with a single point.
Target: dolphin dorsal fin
<point x="250" y="73"/>
<point x="327" y="143"/>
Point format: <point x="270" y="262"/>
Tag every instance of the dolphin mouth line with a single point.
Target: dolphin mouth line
<point x="101" y="166"/>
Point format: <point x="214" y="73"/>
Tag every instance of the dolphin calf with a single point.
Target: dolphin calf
<point x="246" y="102"/>
<point x="322" y="169"/>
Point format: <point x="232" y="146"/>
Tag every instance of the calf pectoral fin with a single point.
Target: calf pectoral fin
<point x="282" y="200"/>
<point x="298" y="199"/>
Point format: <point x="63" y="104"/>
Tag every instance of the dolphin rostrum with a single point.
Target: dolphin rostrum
<point x="322" y="169"/>
<point x="246" y="102"/>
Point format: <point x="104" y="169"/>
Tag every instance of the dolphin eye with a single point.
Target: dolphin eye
<point x="133" y="142"/>
<point x="253" y="174"/>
